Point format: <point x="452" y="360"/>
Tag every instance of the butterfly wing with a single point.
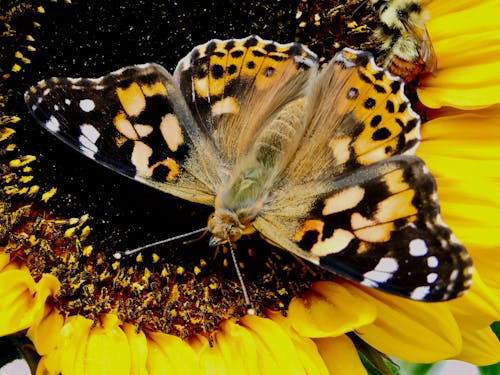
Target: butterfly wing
<point x="356" y="115"/>
<point x="355" y="201"/>
<point x="235" y="87"/>
<point x="134" y="121"/>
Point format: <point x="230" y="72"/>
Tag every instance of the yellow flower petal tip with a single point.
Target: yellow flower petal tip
<point x="328" y="309"/>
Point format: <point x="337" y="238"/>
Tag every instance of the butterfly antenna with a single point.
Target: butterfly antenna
<point x="250" y="310"/>
<point x="120" y="254"/>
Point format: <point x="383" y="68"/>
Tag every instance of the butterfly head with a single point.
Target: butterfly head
<point x="225" y="226"/>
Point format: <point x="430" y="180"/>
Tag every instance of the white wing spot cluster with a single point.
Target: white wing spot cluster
<point x="88" y="139"/>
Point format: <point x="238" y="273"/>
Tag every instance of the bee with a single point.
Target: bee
<point x="405" y="44"/>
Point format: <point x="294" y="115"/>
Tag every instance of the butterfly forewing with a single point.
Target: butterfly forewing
<point x="356" y="115"/>
<point x="235" y="87"/>
<point x="134" y="121"/>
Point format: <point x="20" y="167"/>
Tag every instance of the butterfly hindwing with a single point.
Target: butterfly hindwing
<point x="385" y="231"/>
<point x="134" y="121"/>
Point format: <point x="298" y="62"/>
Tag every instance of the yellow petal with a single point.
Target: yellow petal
<point x="43" y="368"/>
<point x="17" y="293"/>
<point x="466" y="41"/>
<point x="275" y="350"/>
<point x="168" y="354"/>
<point x="138" y="345"/>
<point x="328" y="309"/>
<point x="489" y="270"/>
<point x="238" y="348"/>
<point x="308" y="352"/>
<point x="340" y="355"/>
<point x="480" y="347"/>
<point x="107" y="350"/>
<point x="74" y="338"/>
<point x="211" y="360"/>
<point x="478" y="308"/>
<point x="4" y="260"/>
<point x="471" y="134"/>
<point x="413" y="331"/>
<point x="462" y="151"/>
<point x="45" y="333"/>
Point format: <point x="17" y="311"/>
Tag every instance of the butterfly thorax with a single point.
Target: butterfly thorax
<point x="241" y="199"/>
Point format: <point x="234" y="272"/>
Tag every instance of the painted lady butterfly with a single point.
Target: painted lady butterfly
<point x="318" y="162"/>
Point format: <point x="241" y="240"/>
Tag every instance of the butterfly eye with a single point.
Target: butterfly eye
<point x="235" y="234"/>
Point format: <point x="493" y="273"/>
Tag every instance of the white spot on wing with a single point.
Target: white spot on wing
<point x="432" y="277"/>
<point x="420" y="292"/>
<point x="87" y="105"/>
<point x="90" y="132"/>
<point x="87" y="140"/>
<point x="454" y="275"/>
<point x="432" y="262"/>
<point x="87" y="147"/>
<point x="53" y="124"/>
<point x="67" y="101"/>
<point x="418" y="247"/>
<point x="369" y="283"/>
<point x="383" y="271"/>
<point x="387" y="265"/>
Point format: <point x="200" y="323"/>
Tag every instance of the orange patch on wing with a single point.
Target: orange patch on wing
<point x="375" y="233"/>
<point x="132" y="99"/>
<point x="171" y="131"/>
<point x="334" y="244"/>
<point x="124" y="126"/>
<point x="343" y="200"/>
<point x="395" y="181"/>
<point x="157" y="88"/>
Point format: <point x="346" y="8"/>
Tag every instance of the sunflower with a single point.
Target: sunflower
<point x="332" y="326"/>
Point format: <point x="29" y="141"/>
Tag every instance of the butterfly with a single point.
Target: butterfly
<point x="319" y="162"/>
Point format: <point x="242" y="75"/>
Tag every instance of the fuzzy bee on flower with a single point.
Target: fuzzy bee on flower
<point x="404" y="41"/>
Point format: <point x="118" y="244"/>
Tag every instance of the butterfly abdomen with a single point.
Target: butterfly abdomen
<point x="254" y="177"/>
